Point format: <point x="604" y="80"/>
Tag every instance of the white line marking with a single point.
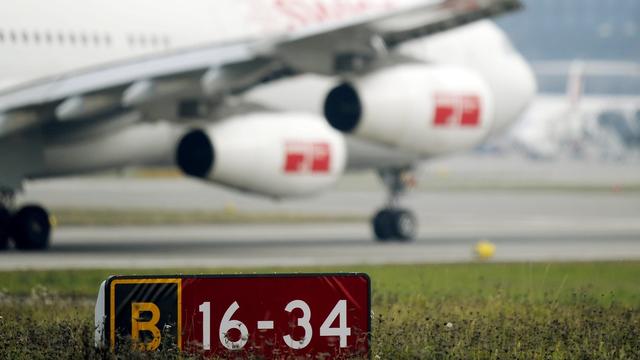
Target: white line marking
<point x="265" y="325"/>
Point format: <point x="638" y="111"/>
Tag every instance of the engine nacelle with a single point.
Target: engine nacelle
<point x="424" y="109"/>
<point x="272" y="154"/>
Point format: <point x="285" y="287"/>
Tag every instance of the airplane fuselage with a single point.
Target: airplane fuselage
<point x="40" y="39"/>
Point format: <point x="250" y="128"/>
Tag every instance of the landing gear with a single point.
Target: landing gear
<point x="393" y="223"/>
<point x="29" y="227"/>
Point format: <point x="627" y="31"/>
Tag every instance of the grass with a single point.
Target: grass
<point x="229" y="215"/>
<point x="460" y="311"/>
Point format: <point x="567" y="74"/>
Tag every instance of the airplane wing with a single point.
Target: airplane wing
<point x="210" y="71"/>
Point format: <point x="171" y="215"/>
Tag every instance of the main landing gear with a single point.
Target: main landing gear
<point x="29" y="227"/>
<point x="393" y="223"/>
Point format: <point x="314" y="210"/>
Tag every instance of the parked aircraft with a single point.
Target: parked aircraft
<point x="579" y="125"/>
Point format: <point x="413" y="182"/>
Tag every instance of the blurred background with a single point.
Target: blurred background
<point x="586" y="57"/>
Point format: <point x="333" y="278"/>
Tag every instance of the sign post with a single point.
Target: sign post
<point x="273" y="316"/>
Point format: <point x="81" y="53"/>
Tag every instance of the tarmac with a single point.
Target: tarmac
<point x="525" y="225"/>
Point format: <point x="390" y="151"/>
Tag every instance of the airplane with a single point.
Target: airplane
<point x="580" y="125"/>
<point x="89" y="85"/>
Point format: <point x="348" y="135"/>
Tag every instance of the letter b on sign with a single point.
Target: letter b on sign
<point x="138" y="325"/>
<point x="146" y="312"/>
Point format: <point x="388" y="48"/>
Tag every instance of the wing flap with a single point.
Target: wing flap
<point x="448" y="15"/>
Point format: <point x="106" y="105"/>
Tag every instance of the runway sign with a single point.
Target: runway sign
<point x="272" y="316"/>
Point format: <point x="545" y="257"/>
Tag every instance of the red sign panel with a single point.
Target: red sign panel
<point x="457" y="110"/>
<point x="271" y="316"/>
<point x="307" y="157"/>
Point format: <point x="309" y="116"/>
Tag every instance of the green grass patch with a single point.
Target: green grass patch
<point x="107" y="217"/>
<point x="459" y="311"/>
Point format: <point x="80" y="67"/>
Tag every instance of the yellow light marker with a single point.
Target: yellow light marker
<point x="484" y="249"/>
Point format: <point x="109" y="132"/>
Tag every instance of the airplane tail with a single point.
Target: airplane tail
<point x="575" y="83"/>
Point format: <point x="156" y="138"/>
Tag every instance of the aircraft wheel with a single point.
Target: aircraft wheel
<point x="404" y="225"/>
<point x="394" y="224"/>
<point x="30" y="228"/>
<point x="382" y="226"/>
<point x="5" y="219"/>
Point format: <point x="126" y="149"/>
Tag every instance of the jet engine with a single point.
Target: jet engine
<point x="272" y="154"/>
<point x="426" y="109"/>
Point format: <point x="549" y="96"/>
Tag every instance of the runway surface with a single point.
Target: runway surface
<point x="525" y="226"/>
<point x="327" y="244"/>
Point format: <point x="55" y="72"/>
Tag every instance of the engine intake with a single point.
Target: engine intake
<point x="195" y="154"/>
<point x="343" y="108"/>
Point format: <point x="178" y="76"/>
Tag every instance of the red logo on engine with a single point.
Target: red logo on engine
<point x="307" y="157"/>
<point x="457" y="110"/>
